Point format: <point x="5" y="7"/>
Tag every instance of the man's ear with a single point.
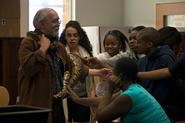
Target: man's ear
<point x="41" y="24"/>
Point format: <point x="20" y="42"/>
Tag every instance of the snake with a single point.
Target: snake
<point x="71" y="76"/>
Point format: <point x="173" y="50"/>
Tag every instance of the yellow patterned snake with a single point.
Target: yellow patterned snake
<point x="72" y="76"/>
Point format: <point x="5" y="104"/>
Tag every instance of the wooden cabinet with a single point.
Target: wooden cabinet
<point x="10" y="18"/>
<point x="9" y="29"/>
<point x="9" y="65"/>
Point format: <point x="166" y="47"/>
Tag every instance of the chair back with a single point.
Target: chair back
<point x="4" y="96"/>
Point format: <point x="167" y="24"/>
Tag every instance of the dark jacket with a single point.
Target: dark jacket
<point x="160" y="58"/>
<point x="178" y="71"/>
<point x="35" y="71"/>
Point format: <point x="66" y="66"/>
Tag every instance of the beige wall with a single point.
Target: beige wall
<point x="139" y="12"/>
<point x="142" y="12"/>
<point x="108" y="12"/>
<point x="169" y="1"/>
<point x="24" y="17"/>
<point x="99" y="12"/>
<point x="88" y="13"/>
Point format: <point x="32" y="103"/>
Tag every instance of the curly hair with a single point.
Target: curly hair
<point x="84" y="40"/>
<point x="119" y="36"/>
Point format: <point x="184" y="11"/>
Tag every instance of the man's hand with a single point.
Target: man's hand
<point x="44" y="43"/>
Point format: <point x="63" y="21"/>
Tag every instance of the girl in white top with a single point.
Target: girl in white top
<point x="116" y="46"/>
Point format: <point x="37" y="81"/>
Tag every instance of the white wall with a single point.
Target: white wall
<point x="99" y="12"/>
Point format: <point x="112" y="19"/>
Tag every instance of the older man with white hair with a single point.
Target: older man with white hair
<point x="43" y="61"/>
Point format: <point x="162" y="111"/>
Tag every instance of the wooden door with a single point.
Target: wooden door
<point x="165" y="9"/>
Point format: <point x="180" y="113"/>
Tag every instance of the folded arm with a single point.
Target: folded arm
<point x="155" y="74"/>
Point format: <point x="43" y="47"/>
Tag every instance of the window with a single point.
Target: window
<point x="177" y="21"/>
<point x="62" y="7"/>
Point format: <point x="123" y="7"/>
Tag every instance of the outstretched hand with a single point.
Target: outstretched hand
<point x="103" y="72"/>
<point x="93" y="62"/>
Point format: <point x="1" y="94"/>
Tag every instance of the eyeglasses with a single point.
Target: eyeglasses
<point x="56" y="21"/>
